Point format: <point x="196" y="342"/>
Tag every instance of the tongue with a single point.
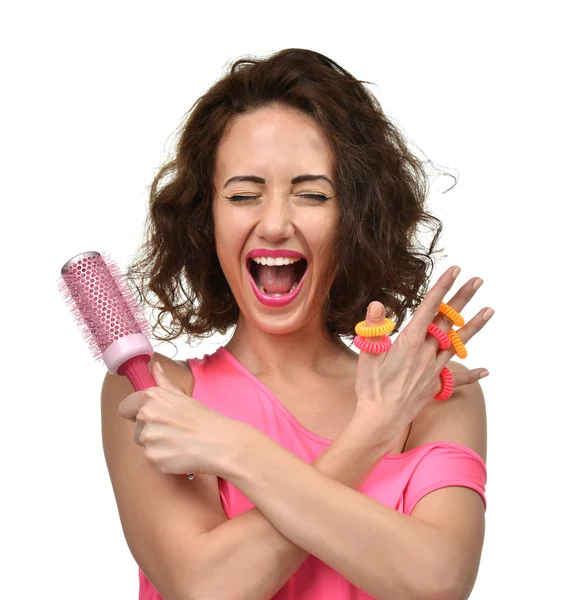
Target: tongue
<point x="277" y="280"/>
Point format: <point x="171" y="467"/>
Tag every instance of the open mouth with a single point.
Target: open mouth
<point x="275" y="280"/>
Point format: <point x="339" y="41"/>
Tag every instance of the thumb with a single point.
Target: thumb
<point x="375" y="316"/>
<point x="162" y="380"/>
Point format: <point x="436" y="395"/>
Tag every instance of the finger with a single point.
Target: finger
<point x="131" y="405"/>
<point x="137" y="432"/>
<point x="430" y="304"/>
<point x="458" y="303"/>
<point x="162" y="380"/>
<point x="465" y="377"/>
<point x="466" y="333"/>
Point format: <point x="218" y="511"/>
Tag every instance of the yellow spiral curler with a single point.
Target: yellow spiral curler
<point x="377" y="331"/>
<point x="454" y="316"/>
<point x="458" y="344"/>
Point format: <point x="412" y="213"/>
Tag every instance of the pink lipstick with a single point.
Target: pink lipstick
<point x="271" y="300"/>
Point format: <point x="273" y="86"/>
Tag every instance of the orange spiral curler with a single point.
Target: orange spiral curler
<point x="458" y="344"/>
<point x="454" y="316"/>
<point x="377" y="331"/>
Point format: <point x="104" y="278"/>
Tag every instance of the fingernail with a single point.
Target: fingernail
<point x="160" y="368"/>
<point x="488" y="314"/>
<point x="375" y="310"/>
<point x="484" y="374"/>
<point x="477" y="284"/>
<point x="456" y="272"/>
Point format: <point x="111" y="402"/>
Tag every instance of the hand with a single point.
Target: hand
<point x="394" y="386"/>
<point x="179" y="434"/>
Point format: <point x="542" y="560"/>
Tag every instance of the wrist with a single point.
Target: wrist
<point x="366" y="434"/>
<point x="243" y="442"/>
<point x="353" y="455"/>
<point x="371" y="427"/>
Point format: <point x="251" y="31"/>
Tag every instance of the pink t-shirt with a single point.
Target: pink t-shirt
<point x="398" y="481"/>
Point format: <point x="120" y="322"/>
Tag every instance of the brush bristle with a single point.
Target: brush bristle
<point x="101" y="302"/>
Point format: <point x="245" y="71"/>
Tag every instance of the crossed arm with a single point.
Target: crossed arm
<point x="312" y="509"/>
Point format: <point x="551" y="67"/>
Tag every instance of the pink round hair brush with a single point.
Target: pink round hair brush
<point x="110" y="319"/>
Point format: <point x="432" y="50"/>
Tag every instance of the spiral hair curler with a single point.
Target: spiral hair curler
<point x="111" y="321"/>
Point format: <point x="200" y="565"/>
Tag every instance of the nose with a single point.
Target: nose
<point x="275" y="224"/>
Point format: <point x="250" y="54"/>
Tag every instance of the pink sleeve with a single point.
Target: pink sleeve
<point x="445" y="464"/>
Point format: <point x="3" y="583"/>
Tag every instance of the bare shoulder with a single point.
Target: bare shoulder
<point x="461" y="419"/>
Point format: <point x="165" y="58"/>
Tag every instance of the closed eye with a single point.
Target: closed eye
<point x="318" y="197"/>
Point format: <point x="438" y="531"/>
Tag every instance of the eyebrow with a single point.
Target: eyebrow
<point x="298" y="179"/>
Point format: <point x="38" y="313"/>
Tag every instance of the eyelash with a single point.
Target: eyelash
<point x="317" y="197"/>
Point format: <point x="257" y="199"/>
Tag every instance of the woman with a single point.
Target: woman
<point x="289" y="212"/>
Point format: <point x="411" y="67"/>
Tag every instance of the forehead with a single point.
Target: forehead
<point x="273" y="138"/>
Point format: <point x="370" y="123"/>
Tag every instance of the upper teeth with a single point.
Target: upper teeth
<point x="271" y="261"/>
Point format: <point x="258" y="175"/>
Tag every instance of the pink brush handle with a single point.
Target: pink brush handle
<point x="136" y="370"/>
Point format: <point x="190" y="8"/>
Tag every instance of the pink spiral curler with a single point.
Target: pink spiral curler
<point x="373" y="347"/>
<point x="440" y="335"/>
<point x="447" y="385"/>
<point x="110" y="319"/>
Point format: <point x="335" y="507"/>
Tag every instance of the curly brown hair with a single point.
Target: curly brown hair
<point x="381" y="187"/>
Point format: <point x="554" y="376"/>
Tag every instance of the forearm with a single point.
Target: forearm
<point x="248" y="558"/>
<point x="379" y="550"/>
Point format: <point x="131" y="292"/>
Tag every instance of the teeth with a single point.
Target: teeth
<point x="278" y="262"/>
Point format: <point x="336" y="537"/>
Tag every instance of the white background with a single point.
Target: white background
<point x="92" y="93"/>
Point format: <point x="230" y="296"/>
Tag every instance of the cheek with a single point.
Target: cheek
<point x="323" y="237"/>
<point x="323" y="231"/>
<point x="222" y="225"/>
<point x="229" y="236"/>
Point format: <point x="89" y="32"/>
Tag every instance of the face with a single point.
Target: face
<point x="266" y="207"/>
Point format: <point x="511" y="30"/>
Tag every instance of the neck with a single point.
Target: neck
<point x="308" y="350"/>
